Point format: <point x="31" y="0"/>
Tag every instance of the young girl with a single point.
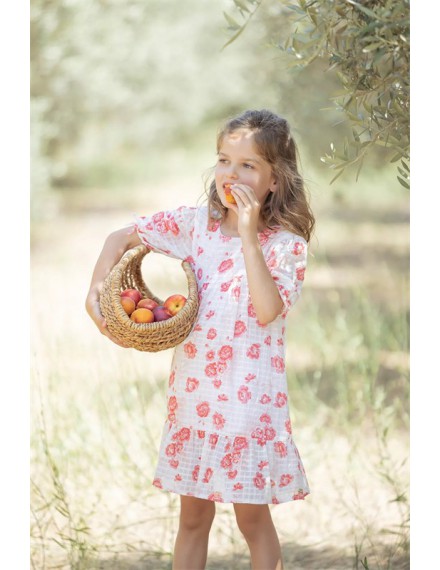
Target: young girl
<point x="227" y="437"/>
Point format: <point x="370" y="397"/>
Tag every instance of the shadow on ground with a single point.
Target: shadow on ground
<point x="296" y="557"/>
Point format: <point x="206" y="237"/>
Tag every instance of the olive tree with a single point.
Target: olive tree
<point x="367" y="43"/>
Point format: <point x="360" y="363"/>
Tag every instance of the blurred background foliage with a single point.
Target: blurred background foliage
<point x="114" y="85"/>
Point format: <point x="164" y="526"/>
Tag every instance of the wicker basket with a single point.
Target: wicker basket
<point x="148" y="337"/>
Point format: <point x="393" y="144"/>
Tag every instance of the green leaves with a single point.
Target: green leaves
<point x="369" y="49"/>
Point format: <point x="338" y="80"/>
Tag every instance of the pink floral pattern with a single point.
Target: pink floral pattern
<point x="227" y="435"/>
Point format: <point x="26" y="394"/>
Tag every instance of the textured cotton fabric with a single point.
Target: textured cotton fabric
<point x="227" y="435"/>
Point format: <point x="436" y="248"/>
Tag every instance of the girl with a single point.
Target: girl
<point x="227" y="437"/>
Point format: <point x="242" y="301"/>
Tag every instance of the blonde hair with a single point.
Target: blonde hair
<point x="288" y="207"/>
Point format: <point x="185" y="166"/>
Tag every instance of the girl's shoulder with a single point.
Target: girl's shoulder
<point x="280" y="236"/>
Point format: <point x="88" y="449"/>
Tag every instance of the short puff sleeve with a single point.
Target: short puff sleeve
<point x="287" y="262"/>
<point x="169" y="232"/>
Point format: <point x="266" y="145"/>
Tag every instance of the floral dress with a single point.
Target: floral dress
<point x="228" y="436"/>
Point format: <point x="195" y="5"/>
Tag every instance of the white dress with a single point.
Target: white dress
<point x="227" y="436"/>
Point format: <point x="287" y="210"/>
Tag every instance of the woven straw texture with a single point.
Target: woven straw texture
<point x="148" y="337"/>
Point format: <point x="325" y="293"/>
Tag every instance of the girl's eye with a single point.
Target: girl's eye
<point x="222" y="160"/>
<point x="246" y="165"/>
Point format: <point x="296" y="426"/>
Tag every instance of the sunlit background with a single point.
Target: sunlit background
<point x="126" y="100"/>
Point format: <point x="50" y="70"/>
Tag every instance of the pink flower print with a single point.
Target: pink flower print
<point x="210" y="355"/>
<point x="275" y="501"/>
<point x="225" y="265"/>
<point x="251" y="310"/>
<point x="222" y="397"/>
<point x="157" y="483"/>
<point x="269" y="433"/>
<point x="203" y="409"/>
<point x="250" y="377"/>
<point x="191" y="384"/>
<point x="195" y="473"/>
<point x="280" y="400"/>
<point x="254" y="351"/>
<point x="225" y="286"/>
<point x="198" y="328"/>
<point x="213" y="439"/>
<point x="236" y="292"/>
<point x="268" y="340"/>
<point x="162" y="226"/>
<point x="280" y="448"/>
<point x="210" y="314"/>
<point x="277" y="362"/>
<point x="298" y="248"/>
<point x="217" y="383"/>
<point x="286" y="479"/>
<point x="226" y="462"/>
<point x="262" y="465"/>
<point x="300" y="495"/>
<point x="172" y="378"/>
<point x="217" y="496"/>
<point x="184" y="434"/>
<point x="199" y="251"/>
<point x="172" y="407"/>
<point x="174" y="228"/>
<point x="190" y="349"/>
<point x="170" y="450"/>
<point x="212" y="333"/>
<point x="244" y="394"/>
<point x="218" y="420"/>
<point x="240" y="328"/>
<point x="300" y="273"/>
<point x="259" y="481"/>
<point x="178" y="477"/>
<point x="232" y="474"/>
<point x="225" y="352"/>
<point x="208" y="475"/>
<point x="158" y="217"/>
<point x="280" y="342"/>
<point x="200" y="434"/>
<point x="238" y="487"/>
<point x="240" y="443"/>
<point x="288" y="426"/>
<point x="174" y="463"/>
<point x="258" y="434"/>
<point x="265" y="418"/>
<point x="221" y="366"/>
<point x="211" y="370"/>
<point x="190" y="260"/>
<point x="265" y="399"/>
<point x="199" y="273"/>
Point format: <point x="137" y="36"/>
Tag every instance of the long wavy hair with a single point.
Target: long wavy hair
<point x="288" y="206"/>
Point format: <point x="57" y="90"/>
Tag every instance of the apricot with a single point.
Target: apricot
<point x="142" y="316"/>
<point x="128" y="304"/>
<point x="229" y="197"/>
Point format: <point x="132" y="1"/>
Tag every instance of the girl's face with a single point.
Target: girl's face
<point x="239" y="163"/>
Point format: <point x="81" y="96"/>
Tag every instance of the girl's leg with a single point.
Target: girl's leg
<point x="255" y="522"/>
<point x="191" y="547"/>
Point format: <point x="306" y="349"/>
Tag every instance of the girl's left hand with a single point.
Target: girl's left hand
<point x="247" y="209"/>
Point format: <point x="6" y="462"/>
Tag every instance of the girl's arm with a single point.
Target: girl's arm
<point x="116" y="244"/>
<point x="262" y="287"/>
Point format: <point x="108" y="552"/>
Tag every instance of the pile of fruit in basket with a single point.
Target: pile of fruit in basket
<point x="144" y="310"/>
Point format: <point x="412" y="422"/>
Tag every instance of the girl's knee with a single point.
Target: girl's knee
<point x="196" y="514"/>
<point x="252" y="519"/>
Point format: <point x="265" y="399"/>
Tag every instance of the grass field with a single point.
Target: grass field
<point x="97" y="409"/>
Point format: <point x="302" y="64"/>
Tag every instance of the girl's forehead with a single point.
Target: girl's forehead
<point x="241" y="139"/>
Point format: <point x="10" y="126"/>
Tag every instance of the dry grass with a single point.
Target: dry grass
<point x="97" y="409"/>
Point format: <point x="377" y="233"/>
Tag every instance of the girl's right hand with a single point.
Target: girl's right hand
<point x="94" y="310"/>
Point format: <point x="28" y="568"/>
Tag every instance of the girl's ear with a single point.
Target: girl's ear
<point x="273" y="186"/>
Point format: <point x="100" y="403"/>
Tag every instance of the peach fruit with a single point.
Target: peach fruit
<point x="133" y="293"/>
<point x="174" y="304"/>
<point x="147" y="304"/>
<point x="160" y="313"/>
